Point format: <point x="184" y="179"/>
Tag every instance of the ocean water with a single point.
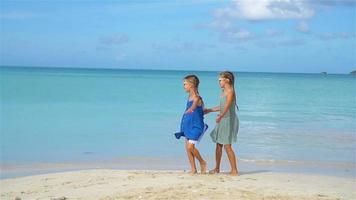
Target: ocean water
<point x="73" y="115"/>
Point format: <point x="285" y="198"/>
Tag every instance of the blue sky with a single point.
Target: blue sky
<point x="240" y="35"/>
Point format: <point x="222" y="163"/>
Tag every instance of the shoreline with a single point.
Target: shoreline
<point x="335" y="169"/>
<point x="106" y="184"/>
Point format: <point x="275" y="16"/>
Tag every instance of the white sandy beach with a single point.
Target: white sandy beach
<point x="139" y="184"/>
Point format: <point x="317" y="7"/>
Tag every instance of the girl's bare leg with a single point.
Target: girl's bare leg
<point x="190" y="149"/>
<point x="232" y="159"/>
<point x="218" y="154"/>
<point x="201" y="160"/>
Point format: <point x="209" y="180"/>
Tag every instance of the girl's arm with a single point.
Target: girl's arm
<point x="214" y="109"/>
<point x="194" y="105"/>
<point x="229" y="100"/>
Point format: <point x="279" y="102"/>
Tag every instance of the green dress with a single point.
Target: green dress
<point x="226" y="131"/>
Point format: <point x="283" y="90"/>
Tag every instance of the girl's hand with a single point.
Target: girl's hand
<point x="189" y="111"/>
<point x="218" y="119"/>
<point x="207" y="111"/>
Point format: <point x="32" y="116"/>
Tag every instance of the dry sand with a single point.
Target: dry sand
<point x="138" y="184"/>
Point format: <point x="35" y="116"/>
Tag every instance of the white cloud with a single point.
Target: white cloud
<point x="266" y="10"/>
<point x="226" y="19"/>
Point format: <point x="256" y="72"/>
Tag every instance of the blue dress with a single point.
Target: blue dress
<point x="192" y="125"/>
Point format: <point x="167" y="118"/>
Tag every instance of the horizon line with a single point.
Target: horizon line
<point x="157" y="69"/>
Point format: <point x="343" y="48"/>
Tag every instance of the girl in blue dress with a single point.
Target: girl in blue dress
<point x="192" y="125"/>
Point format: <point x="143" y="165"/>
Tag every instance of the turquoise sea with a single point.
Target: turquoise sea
<point x="62" y="115"/>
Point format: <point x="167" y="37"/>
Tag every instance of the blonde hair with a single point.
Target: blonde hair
<point x="193" y="79"/>
<point x="231" y="77"/>
<point x="228" y="75"/>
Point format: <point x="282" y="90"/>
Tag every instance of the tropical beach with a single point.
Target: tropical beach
<point x="134" y="184"/>
<point x="92" y="96"/>
<point x="63" y="163"/>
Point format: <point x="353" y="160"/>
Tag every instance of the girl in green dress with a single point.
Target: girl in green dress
<point x="227" y="122"/>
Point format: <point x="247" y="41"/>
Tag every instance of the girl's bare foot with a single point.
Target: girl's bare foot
<point x="234" y="173"/>
<point x="203" y="167"/>
<point x="214" y="171"/>
<point x="193" y="172"/>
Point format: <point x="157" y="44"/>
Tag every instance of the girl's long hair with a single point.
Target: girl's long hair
<point x="230" y="76"/>
<point x="194" y="80"/>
